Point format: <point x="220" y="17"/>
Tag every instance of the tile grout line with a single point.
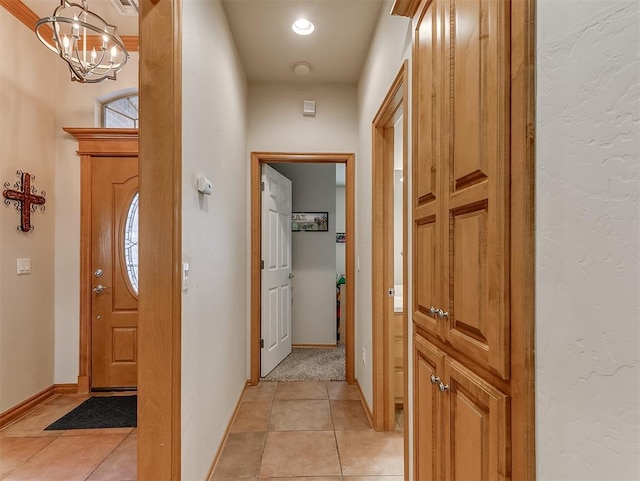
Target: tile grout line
<point x="108" y="454"/>
<point x="266" y="434"/>
<point x="335" y="436"/>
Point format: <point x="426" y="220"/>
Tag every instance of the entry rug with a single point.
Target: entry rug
<point x="100" y="412"/>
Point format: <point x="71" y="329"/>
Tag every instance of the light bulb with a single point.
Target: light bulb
<point x="66" y="43"/>
<point x="94" y="55"/>
<point x="76" y="26"/>
<point x="114" y="52"/>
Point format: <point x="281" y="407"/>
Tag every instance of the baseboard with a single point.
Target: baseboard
<point x="83" y="384"/>
<point x="314" y="346"/>
<point x="68" y="388"/>
<point x="209" y="476"/>
<point x="367" y="409"/>
<point x="25" y="406"/>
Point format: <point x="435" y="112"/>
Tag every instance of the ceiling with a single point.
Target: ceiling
<point x="127" y="24"/>
<point x="268" y="48"/>
<point x="336" y="50"/>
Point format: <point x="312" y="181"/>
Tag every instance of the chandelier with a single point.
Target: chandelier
<point x="91" y="47"/>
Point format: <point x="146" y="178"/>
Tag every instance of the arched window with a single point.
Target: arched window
<point x="121" y="112"/>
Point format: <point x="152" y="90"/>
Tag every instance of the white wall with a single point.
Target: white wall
<point x="587" y="260"/>
<point x="77" y="105"/>
<point x="313" y="313"/>
<point x="390" y="46"/>
<point x="214" y="234"/>
<point x="27" y="143"/>
<point x="276" y="123"/>
<point x="341" y="225"/>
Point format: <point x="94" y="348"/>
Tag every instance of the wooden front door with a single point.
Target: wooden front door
<point x="114" y="299"/>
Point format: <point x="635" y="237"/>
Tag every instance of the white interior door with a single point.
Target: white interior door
<point x="276" y="271"/>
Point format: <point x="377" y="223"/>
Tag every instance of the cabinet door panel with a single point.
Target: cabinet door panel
<point x="427" y="288"/>
<point x="428" y="361"/>
<point x="476" y="437"/>
<point x="427" y="123"/>
<point x="477" y="181"/>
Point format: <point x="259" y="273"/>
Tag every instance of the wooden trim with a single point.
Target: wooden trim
<point x="405" y="264"/>
<point x="394" y="102"/>
<point x="17" y="411"/>
<point x="405" y="8"/>
<point x="93" y="142"/>
<point x="318" y="158"/>
<point x="67" y="388"/>
<point x="29" y="18"/>
<point x="216" y="458"/>
<point x="522" y="263"/>
<point x="23" y="13"/>
<point x="315" y="346"/>
<point x="160" y="304"/>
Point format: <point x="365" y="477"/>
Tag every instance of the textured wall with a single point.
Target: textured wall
<point x="27" y="142"/>
<point x="214" y="234"/>
<point x="587" y="287"/>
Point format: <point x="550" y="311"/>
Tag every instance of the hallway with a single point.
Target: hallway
<point x="312" y="430"/>
<point x="295" y="430"/>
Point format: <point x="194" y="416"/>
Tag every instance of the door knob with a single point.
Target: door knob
<point x="99" y="289"/>
<point x="291" y="276"/>
<point x="434" y="379"/>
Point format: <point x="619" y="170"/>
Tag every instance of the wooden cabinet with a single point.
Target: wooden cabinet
<point x="461" y="421"/>
<point x="397" y="336"/>
<point x="467" y="131"/>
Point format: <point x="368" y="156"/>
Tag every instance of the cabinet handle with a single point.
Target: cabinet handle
<point x="434" y="379"/>
<point x="443" y="387"/>
<point x="432" y="311"/>
<point x="442" y="314"/>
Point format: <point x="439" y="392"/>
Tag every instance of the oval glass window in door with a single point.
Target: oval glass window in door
<point x="131" y="243"/>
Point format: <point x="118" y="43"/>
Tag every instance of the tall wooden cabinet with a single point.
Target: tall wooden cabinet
<point x="469" y="159"/>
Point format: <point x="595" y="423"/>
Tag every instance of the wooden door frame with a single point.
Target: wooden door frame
<point x="93" y="143"/>
<point x="382" y="252"/>
<point x="160" y="304"/>
<point x="258" y="158"/>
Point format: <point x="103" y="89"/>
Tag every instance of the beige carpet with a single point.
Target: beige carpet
<point x="310" y="364"/>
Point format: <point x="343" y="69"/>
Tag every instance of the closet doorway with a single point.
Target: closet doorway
<point x="257" y="160"/>
<point x="389" y="245"/>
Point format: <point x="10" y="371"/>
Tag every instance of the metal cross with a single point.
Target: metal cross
<point x="25" y="198"/>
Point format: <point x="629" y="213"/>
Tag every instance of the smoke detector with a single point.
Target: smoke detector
<point x="302" y="69"/>
<point x="127" y="7"/>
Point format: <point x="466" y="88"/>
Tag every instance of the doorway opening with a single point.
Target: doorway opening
<point x="389" y="266"/>
<point x="257" y="161"/>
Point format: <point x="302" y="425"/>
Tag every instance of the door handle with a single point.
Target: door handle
<point x="99" y="289"/>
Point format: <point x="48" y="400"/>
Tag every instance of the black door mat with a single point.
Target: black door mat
<point x="100" y="412"/>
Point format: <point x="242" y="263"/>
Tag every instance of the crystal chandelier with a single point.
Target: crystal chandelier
<point x="92" y="47"/>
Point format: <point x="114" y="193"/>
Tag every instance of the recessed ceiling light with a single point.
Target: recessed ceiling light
<point x="302" y="26"/>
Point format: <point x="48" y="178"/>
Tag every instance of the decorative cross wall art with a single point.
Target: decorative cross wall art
<point x="25" y="198"/>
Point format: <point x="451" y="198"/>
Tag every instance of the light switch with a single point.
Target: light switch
<point x="24" y="266"/>
<point x="185" y="276"/>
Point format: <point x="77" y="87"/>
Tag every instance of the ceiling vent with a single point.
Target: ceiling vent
<point x="126" y="7"/>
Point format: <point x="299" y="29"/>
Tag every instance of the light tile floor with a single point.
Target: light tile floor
<point x="28" y="453"/>
<point x="311" y="431"/>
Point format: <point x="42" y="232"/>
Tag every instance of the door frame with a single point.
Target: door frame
<point x="258" y="158"/>
<point x="93" y="143"/>
<point x="382" y="254"/>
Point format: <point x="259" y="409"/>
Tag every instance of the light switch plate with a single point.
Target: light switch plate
<point x="24" y="266"/>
